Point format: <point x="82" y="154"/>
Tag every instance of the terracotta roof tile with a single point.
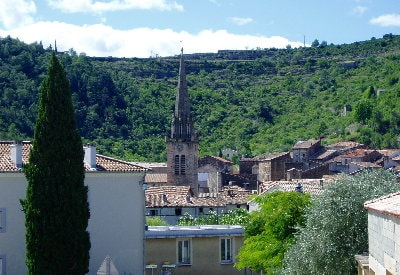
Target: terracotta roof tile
<point x="155" y="178"/>
<point x="103" y="163"/>
<point x="358" y="153"/>
<point x="305" y="144"/>
<point x="345" y="145"/>
<point x="182" y="196"/>
<point x="310" y="186"/>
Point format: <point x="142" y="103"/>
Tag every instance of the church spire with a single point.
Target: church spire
<point x="182" y="124"/>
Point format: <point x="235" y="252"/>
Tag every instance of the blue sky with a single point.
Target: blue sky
<point x="144" y="28"/>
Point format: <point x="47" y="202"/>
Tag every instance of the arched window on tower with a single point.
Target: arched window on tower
<point x="183" y="165"/>
<point x="176" y="164"/>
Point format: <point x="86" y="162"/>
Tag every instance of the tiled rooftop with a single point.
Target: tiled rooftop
<point x="155" y="178"/>
<point x="103" y="163"/>
<point x="305" y="144"/>
<point x="358" y="153"/>
<point x="219" y="159"/>
<point x="388" y="205"/>
<point x="310" y="186"/>
<point x="345" y="145"/>
<point x="323" y="154"/>
<point x="182" y="196"/>
<point x="266" y="156"/>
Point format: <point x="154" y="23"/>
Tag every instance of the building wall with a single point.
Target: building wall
<point x="116" y="224"/>
<point x="214" y="178"/>
<point x="190" y="151"/>
<point x="12" y="238"/>
<point x="384" y="243"/>
<point x="205" y="255"/>
<point x="273" y="169"/>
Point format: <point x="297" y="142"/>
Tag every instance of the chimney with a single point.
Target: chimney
<point x="90" y="156"/>
<point x="16" y="154"/>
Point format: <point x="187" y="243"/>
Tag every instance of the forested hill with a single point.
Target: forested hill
<point x="254" y="101"/>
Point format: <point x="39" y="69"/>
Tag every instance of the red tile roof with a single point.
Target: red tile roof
<point x="6" y="164"/>
<point x="103" y="163"/>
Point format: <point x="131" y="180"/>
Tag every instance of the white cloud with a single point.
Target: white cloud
<point x="359" y="10"/>
<point x="387" y="20"/>
<point x="103" y="40"/>
<point x="241" y="21"/>
<point x="15" y="13"/>
<point x="74" y="6"/>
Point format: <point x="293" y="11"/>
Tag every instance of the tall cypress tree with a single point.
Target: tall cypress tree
<point x="56" y="206"/>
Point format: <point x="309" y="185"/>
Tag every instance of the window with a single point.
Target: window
<point x="183" y="164"/>
<point x="226" y="250"/>
<point x="176" y="164"/>
<point x="180" y="165"/>
<point x="184" y="252"/>
<point x="178" y="211"/>
<point x="2" y="264"/>
<point x="153" y="212"/>
<point x="2" y="220"/>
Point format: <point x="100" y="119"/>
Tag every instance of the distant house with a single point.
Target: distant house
<point x="171" y="202"/>
<point x="303" y="150"/>
<point x="309" y="186"/>
<point x="155" y="179"/>
<point x="209" y="249"/>
<point x="211" y="173"/>
<point x="383" y="235"/>
<point x="115" y="196"/>
<point x="273" y="166"/>
<point x="347" y="163"/>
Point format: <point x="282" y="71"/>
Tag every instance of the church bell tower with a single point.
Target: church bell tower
<point x="182" y="143"/>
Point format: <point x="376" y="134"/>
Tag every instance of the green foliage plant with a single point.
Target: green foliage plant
<point x="336" y="225"/>
<point x="155" y="221"/>
<point x="237" y="216"/>
<point x="56" y="207"/>
<point x="271" y="229"/>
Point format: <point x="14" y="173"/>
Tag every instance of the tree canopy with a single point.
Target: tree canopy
<point x="254" y="101"/>
<point x="56" y="207"/>
<point x="271" y="229"/>
<point x="336" y="226"/>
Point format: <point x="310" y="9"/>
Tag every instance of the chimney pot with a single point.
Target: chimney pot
<point x="16" y="154"/>
<point x="90" y="156"/>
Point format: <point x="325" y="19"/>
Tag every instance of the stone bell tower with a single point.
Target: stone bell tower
<point x="182" y="142"/>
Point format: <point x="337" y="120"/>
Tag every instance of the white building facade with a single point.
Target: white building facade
<point x="384" y="235"/>
<point x="116" y="224"/>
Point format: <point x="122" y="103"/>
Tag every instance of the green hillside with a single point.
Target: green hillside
<point x="254" y="101"/>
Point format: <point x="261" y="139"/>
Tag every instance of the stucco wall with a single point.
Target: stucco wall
<point x="384" y="243"/>
<point x="116" y="224"/>
<point x="205" y="255"/>
<point x="12" y="241"/>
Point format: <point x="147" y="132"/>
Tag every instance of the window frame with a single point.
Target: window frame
<point x="183" y="165"/>
<point x="176" y="164"/>
<point x="226" y="250"/>
<point x="3" y="220"/>
<point x="182" y="249"/>
<point x="3" y="264"/>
